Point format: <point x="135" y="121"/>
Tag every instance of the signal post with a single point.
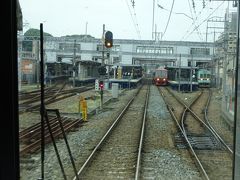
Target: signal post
<point x="108" y="43"/>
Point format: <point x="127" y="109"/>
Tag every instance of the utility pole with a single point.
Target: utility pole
<point x="191" y="74"/>
<point x="101" y="77"/>
<point x="37" y="59"/>
<point x="179" y="75"/>
<point x="74" y="62"/>
<point x="20" y="40"/>
<point x="108" y="64"/>
<point x="225" y="41"/>
<point x="153" y="19"/>
<point x="103" y="45"/>
<point x="86" y="28"/>
<point x="219" y="21"/>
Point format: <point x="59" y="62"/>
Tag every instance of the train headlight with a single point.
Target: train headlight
<point x="157" y="79"/>
<point x="164" y="79"/>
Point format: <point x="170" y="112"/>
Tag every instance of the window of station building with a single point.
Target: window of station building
<point x="95" y="58"/>
<point x="69" y="47"/>
<point x="115" y="48"/>
<point x="27" y="45"/>
<point x="116" y="60"/>
<point x="200" y="51"/>
<point x="139" y="49"/>
<point x="163" y="51"/>
<point x="152" y="49"/>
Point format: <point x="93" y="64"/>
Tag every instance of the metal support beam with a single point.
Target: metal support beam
<point x="236" y="162"/>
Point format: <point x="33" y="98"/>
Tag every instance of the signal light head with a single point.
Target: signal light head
<point x="108" y="39"/>
<point x="101" y="85"/>
<point x="108" y="44"/>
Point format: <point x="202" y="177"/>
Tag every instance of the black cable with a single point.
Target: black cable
<point x="134" y="23"/>
<point x="194" y="21"/>
<point x="168" y="19"/>
<point x="203" y="20"/>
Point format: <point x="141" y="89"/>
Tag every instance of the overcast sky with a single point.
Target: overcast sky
<point x="67" y="17"/>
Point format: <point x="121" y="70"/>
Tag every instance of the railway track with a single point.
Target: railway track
<point x="118" y="153"/>
<point x="30" y="138"/>
<point x="33" y="103"/>
<point x="205" y="145"/>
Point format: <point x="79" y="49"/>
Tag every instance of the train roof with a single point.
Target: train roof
<point x="181" y="67"/>
<point x="126" y="65"/>
<point x="129" y="65"/>
<point x="161" y="68"/>
<point x="204" y="70"/>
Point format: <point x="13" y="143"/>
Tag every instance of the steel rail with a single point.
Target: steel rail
<point x="103" y="139"/>
<point x="207" y="120"/>
<point x="32" y="129"/>
<point x="52" y="100"/>
<point x="36" y="134"/>
<point x="169" y="107"/>
<point x="214" y="133"/>
<point x="142" y="136"/>
<point x="36" y="145"/>
<point x="185" y="110"/>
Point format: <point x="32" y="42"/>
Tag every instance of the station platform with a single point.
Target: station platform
<point x="185" y="86"/>
<point x="53" y="79"/>
<point x="83" y="81"/>
<point x="126" y="83"/>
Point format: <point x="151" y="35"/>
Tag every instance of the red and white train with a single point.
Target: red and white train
<point x="160" y="77"/>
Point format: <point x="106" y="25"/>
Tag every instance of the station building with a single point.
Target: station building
<point x="85" y="53"/>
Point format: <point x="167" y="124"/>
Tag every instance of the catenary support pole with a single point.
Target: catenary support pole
<point x="42" y="110"/>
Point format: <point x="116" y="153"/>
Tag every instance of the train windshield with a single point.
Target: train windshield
<point x="161" y="73"/>
<point x="90" y="73"/>
<point x="205" y="75"/>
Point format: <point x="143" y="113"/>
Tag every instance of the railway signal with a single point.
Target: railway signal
<point x="108" y="39"/>
<point x="101" y="86"/>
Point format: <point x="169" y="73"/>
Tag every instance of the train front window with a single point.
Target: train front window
<point x="183" y="53"/>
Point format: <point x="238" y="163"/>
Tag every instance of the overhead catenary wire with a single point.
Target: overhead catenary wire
<point x="188" y="34"/>
<point x="134" y="20"/>
<point x="194" y="21"/>
<point x="174" y="12"/>
<point x="196" y="17"/>
<point x="204" y="20"/>
<point x="168" y="19"/>
<point x="138" y="29"/>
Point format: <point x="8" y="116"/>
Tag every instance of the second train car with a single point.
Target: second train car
<point x="204" y="78"/>
<point x="160" y="77"/>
